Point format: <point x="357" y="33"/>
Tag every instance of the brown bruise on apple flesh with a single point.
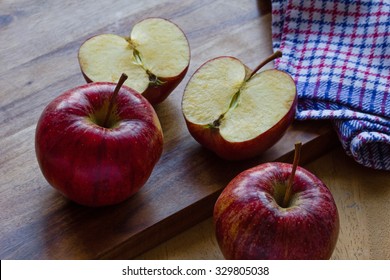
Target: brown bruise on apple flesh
<point x="219" y="96"/>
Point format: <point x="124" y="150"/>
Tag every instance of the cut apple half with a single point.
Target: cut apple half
<point x="235" y="112"/>
<point x="155" y="57"/>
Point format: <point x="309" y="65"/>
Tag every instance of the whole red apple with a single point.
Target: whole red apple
<point x="253" y="219"/>
<point x="95" y="149"/>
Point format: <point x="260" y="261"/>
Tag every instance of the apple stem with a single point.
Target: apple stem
<point x="287" y="194"/>
<point x="122" y="79"/>
<point x="267" y="60"/>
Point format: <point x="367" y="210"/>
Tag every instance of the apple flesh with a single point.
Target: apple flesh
<point x="252" y="222"/>
<point x="237" y="113"/>
<point x="155" y="57"/>
<point x="94" y="160"/>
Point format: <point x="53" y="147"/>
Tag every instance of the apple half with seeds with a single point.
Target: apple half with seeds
<point x="235" y="112"/>
<point x="155" y="57"/>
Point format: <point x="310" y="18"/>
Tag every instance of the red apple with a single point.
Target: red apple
<point x="155" y="56"/>
<point x="267" y="212"/>
<point x="235" y="112"/>
<point x="98" y="143"/>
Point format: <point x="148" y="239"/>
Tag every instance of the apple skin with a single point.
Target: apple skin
<point x="211" y="139"/>
<point x="250" y="224"/>
<point x="88" y="163"/>
<point x="156" y="94"/>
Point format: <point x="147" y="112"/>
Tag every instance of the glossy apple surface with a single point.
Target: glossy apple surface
<point x="155" y="57"/>
<point x="91" y="163"/>
<point x="234" y="114"/>
<point x="251" y="223"/>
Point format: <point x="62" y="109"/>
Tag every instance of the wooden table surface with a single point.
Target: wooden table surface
<point x="39" y="44"/>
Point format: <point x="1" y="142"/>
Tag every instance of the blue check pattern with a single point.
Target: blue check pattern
<point x="338" y="53"/>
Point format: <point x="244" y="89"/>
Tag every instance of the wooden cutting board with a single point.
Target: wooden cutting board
<point x="39" y="44"/>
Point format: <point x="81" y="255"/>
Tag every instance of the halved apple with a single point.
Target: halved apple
<point x="155" y="57"/>
<point x="236" y="112"/>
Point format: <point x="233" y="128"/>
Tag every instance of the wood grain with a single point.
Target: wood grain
<point x="361" y="195"/>
<point x="38" y="54"/>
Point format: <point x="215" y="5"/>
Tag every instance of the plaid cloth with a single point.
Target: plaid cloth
<point x="338" y="52"/>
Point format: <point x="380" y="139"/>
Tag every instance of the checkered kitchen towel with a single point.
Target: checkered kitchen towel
<point x="338" y="52"/>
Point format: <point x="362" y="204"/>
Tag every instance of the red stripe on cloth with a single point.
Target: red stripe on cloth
<point x="333" y="14"/>
<point x="303" y="51"/>
<point x="367" y="73"/>
<point x="348" y="53"/>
